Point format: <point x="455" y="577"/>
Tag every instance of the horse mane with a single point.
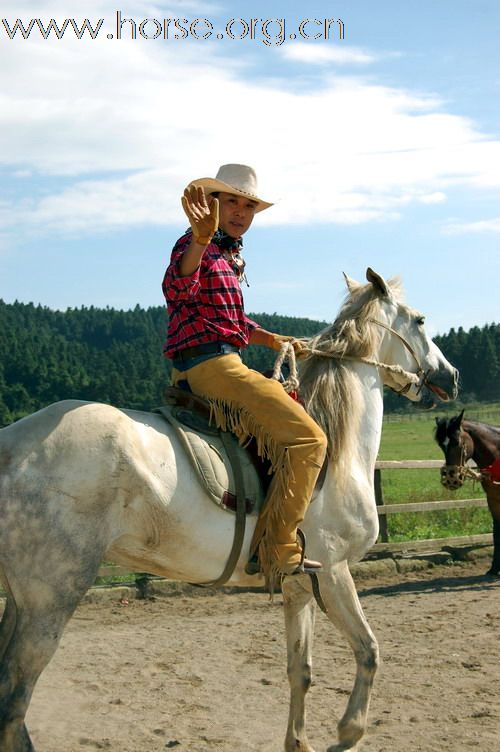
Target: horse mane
<point x="329" y="388"/>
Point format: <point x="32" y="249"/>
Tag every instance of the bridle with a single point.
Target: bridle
<point x="421" y="374"/>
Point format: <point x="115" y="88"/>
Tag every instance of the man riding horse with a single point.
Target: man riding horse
<point x="207" y="330"/>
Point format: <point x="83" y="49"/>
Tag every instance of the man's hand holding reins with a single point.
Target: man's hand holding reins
<point x="275" y="342"/>
<point x="300" y="347"/>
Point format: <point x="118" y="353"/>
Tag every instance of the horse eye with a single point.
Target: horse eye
<point x="421" y="320"/>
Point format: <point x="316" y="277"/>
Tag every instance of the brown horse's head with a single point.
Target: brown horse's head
<point x="457" y="447"/>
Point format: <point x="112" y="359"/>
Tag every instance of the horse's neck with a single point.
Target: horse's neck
<point x="486" y="443"/>
<point x="366" y="442"/>
<point x="370" y="430"/>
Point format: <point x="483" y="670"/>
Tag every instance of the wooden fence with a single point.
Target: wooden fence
<point x="384" y="510"/>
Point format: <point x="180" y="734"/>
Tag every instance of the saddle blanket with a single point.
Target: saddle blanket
<point x="210" y="461"/>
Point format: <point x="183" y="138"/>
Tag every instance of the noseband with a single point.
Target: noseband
<point x="454" y="476"/>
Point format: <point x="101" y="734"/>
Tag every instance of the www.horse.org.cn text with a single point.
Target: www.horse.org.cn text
<point x="271" y="31"/>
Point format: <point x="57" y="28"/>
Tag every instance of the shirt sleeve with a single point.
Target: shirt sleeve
<point x="174" y="286"/>
<point x="251" y="324"/>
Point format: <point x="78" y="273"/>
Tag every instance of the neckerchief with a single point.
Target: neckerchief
<point x="231" y="250"/>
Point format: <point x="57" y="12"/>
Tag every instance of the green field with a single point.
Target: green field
<point x="411" y="437"/>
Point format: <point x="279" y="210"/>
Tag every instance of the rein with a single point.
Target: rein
<point x="292" y="384"/>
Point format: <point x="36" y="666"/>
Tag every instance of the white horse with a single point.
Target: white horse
<point x="82" y="482"/>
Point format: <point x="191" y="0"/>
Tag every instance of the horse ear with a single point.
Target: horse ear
<point x="440" y="430"/>
<point x="352" y="285"/>
<point x="377" y="281"/>
<point x="456" y="421"/>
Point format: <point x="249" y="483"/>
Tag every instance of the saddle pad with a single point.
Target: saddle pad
<point x="210" y="461"/>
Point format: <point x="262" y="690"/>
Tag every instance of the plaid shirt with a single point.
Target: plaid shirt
<point x="206" y="306"/>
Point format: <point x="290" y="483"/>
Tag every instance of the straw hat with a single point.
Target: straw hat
<point x="237" y="179"/>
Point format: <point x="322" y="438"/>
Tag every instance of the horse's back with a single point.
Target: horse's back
<point x="74" y="462"/>
<point x="69" y="423"/>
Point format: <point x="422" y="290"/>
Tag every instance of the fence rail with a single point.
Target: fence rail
<point x="384" y="510"/>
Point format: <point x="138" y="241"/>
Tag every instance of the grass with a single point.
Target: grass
<point x="412" y="438"/>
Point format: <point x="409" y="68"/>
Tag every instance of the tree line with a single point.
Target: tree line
<point x="115" y="356"/>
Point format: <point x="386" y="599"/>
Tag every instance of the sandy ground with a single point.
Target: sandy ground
<point x="207" y="672"/>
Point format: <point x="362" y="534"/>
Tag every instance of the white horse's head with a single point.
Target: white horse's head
<point x="375" y="328"/>
<point x="419" y="368"/>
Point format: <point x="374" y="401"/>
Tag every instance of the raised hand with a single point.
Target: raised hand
<point x="203" y="214"/>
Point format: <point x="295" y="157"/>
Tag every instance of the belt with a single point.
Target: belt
<point x="209" y="348"/>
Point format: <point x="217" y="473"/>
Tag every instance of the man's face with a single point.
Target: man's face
<point x="235" y="214"/>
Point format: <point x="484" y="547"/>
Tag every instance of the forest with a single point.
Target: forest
<point x="115" y="356"/>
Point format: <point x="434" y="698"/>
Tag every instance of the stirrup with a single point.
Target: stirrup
<point x="253" y="565"/>
<point x="306" y="566"/>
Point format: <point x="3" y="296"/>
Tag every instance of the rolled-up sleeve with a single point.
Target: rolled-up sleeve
<point x="174" y="286"/>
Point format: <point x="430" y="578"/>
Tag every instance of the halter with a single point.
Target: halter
<point x="454" y="476"/>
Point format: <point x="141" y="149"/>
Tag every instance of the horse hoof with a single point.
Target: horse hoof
<point x="299" y="746"/>
<point x="493" y="573"/>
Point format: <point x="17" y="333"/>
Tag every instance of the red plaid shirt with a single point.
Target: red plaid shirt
<point x="206" y="306"/>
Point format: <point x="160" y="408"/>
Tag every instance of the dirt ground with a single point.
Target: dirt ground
<point x="207" y="672"/>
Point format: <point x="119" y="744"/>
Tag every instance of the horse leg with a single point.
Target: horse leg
<point x="495" y="564"/>
<point x="8" y="619"/>
<point x="493" y="499"/>
<point x="299" y="608"/>
<point x="35" y="622"/>
<point x="344" y="610"/>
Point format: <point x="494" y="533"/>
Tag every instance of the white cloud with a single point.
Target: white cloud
<point x="319" y="54"/>
<point x="461" y="228"/>
<point x="127" y="123"/>
<point x="438" y="197"/>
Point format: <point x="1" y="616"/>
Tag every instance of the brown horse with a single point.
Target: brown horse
<point x="462" y="440"/>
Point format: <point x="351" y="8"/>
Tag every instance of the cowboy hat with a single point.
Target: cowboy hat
<point x="237" y="179"/>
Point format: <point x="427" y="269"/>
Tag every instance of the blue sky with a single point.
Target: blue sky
<point x="381" y="149"/>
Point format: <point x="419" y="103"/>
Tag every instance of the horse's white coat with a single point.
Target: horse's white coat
<point x="83" y="482"/>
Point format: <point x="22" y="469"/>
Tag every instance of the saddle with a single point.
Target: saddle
<point x="234" y="477"/>
<point x="217" y="459"/>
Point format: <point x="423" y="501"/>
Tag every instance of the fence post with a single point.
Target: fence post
<point x="379" y="499"/>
